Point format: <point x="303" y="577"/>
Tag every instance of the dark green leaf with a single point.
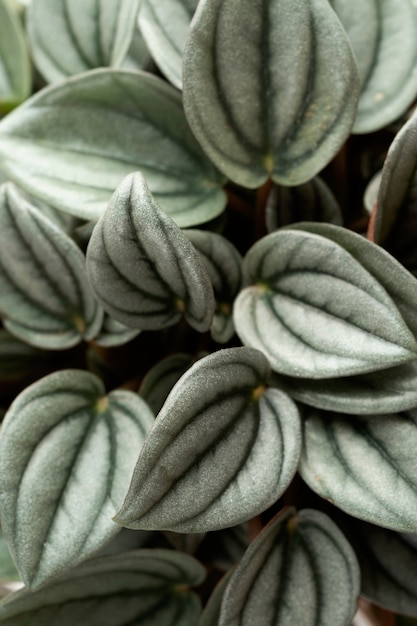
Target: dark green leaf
<point x="142" y="268"/>
<point x="203" y="464"/>
<point x="66" y="455"/>
<point x="159" y="381"/>
<point x="15" y="71"/>
<point x="18" y="359"/>
<point x="138" y="54"/>
<point x="124" y="121"/>
<point x="211" y="613"/>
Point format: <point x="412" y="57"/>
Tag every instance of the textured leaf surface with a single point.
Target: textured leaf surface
<point x="315" y="311"/>
<point x="66" y="455"/>
<point x="125" y="121"/>
<point x="203" y="466"/>
<point x="15" y="73"/>
<point x="72" y="36"/>
<point x="260" y="104"/>
<point x="142" y="268"/>
<point x="146" y="587"/>
<point x="45" y="298"/>
<point x="364" y="465"/>
<point x="299" y="570"/>
<point x="159" y="381"/>
<point x="165" y="25"/>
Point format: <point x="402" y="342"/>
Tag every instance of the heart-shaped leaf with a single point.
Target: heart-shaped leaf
<point x="203" y="464"/>
<point x="142" y="268"/>
<point x="315" y="311"/>
<point x="159" y="381"/>
<point x="299" y="570"/>
<point x="124" y="121"/>
<point x="260" y="104"/>
<point x="146" y="587"/>
<point x="15" y="72"/>
<point x="45" y="298"/>
<point x="66" y="455"/>
<point x="364" y="465"/>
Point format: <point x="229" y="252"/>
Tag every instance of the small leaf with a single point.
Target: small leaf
<point x="315" y="311"/>
<point x="45" y="298"/>
<point x="113" y="333"/>
<point x="15" y="72"/>
<point x="165" y="25"/>
<point x="299" y="570"/>
<point x="364" y="465"/>
<point x="142" y="268"/>
<point x="146" y="587"/>
<point x="125" y="121"/>
<point x="66" y="455"/>
<point x="203" y="464"/>
<point x="260" y="104"/>
<point x="72" y="37"/>
<point x="159" y="381"/>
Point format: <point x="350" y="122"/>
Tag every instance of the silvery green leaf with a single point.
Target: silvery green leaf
<point x="315" y="311"/>
<point x="165" y="25"/>
<point x="15" y="70"/>
<point x="260" y="104"/>
<point x="8" y="569"/>
<point x="113" y="333"/>
<point x="364" y="465"/>
<point x="45" y="298"/>
<point x="222" y="449"/>
<point x="158" y="382"/>
<point x="66" y="454"/>
<point x="146" y="587"/>
<point x="72" y="37"/>
<point x="224" y="266"/>
<point x="299" y="570"/>
<point x="125" y="122"/>
<point x="138" y="56"/>
<point x="143" y="269"/>
<point x="371" y="194"/>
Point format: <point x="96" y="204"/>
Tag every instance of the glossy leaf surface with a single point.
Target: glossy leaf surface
<point x="203" y="466"/>
<point x="146" y="587"/>
<point x="125" y="121"/>
<point x="72" y="36"/>
<point x="372" y="460"/>
<point x="315" y="311"/>
<point x="45" y="298"/>
<point x="260" y="104"/>
<point x="299" y="570"/>
<point x="142" y="268"/>
<point x="15" y="72"/>
<point x="66" y="454"/>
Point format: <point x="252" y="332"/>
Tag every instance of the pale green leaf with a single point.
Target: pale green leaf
<point x="260" y="104"/>
<point x="315" y="311"/>
<point x="159" y="381"/>
<point x="299" y="570"/>
<point x="146" y="587"/>
<point x="221" y="450"/>
<point x="15" y="70"/>
<point x="8" y="571"/>
<point x="45" y="298"/>
<point x="142" y="267"/>
<point x="72" y="36"/>
<point x="66" y="455"/>
<point x="364" y="465"/>
<point x="73" y="143"/>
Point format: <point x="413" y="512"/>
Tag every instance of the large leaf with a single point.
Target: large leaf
<point x="15" y="72"/>
<point x="165" y="25"/>
<point x="66" y="455"/>
<point x="45" y="298"/>
<point x="299" y="570"/>
<point x="142" y="268"/>
<point x="316" y="312"/>
<point x="70" y="37"/>
<point x="261" y="104"/>
<point x="203" y="466"/>
<point x="364" y="465"/>
<point x="73" y="143"/>
<point x="146" y="587"/>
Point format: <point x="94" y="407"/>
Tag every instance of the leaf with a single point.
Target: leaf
<point x="125" y="121"/>
<point x="45" y="298"/>
<point x="66" y="454"/>
<point x="161" y="378"/>
<point x="299" y="570"/>
<point x="8" y="571"/>
<point x="211" y="613"/>
<point x="15" y="71"/>
<point x="203" y="464"/>
<point x="315" y="311"/>
<point x="18" y="359"/>
<point x="364" y="465"/>
<point x="143" y="269"/>
<point x="165" y="25"/>
<point x="71" y="37"/>
<point x="260" y="104"/>
<point x="138" y="56"/>
<point x="146" y="587"/>
<point x="113" y="333"/>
